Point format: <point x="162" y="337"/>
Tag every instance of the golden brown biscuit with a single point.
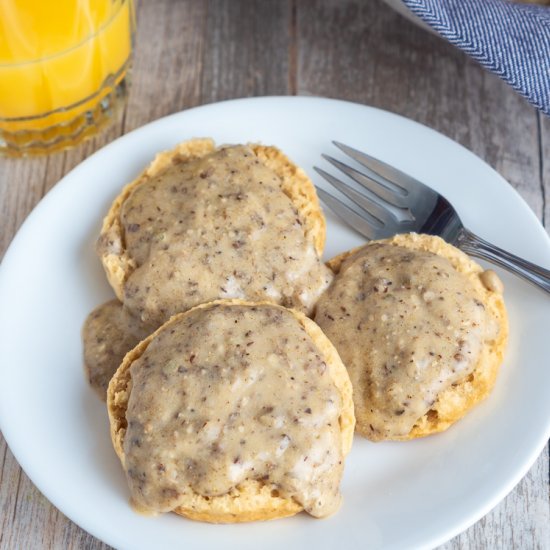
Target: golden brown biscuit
<point x="205" y="353"/>
<point x="202" y="223"/>
<point x="399" y="319"/>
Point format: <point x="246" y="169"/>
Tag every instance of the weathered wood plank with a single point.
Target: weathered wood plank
<point x="248" y="49"/>
<point x="168" y="59"/>
<point x="21" y="185"/>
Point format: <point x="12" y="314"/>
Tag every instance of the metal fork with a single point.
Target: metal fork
<point x="392" y="202"/>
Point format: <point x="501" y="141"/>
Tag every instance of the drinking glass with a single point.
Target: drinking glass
<point x="64" y="69"/>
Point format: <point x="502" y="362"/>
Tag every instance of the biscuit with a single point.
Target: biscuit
<point x="448" y="404"/>
<point x="234" y="230"/>
<point x="250" y="498"/>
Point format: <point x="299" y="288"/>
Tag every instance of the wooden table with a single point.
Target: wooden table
<point x="190" y="52"/>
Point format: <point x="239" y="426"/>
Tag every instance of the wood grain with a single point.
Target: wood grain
<point x="247" y="53"/>
<point x="190" y="52"/>
<point x="170" y="42"/>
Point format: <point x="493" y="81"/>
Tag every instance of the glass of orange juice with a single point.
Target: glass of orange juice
<point x="64" y="68"/>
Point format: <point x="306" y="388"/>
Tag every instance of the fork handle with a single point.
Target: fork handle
<point x="476" y="246"/>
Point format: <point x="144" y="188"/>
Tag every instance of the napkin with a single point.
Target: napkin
<point x="508" y="38"/>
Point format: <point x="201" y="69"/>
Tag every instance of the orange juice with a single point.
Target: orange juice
<point x="59" y="61"/>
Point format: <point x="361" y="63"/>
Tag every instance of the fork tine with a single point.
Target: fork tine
<point x="373" y="182"/>
<point x="365" y="224"/>
<point x="387" y="173"/>
<point x="368" y="201"/>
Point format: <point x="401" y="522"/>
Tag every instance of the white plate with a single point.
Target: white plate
<point x="396" y="495"/>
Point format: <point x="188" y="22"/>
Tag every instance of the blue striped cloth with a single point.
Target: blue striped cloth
<point x="508" y="38"/>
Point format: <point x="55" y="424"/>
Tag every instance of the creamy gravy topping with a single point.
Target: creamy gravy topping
<point x="108" y="334"/>
<point x="407" y="325"/>
<point x="491" y="281"/>
<point x="228" y="394"/>
<point x="217" y="227"/>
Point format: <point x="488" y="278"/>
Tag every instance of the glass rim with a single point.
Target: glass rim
<point x="89" y="38"/>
